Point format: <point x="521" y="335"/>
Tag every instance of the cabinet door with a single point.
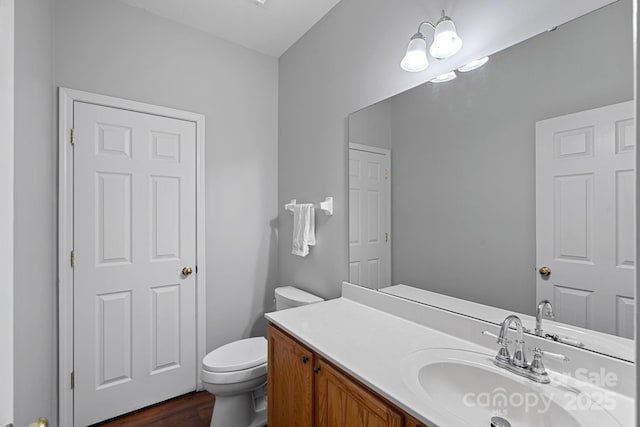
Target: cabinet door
<point x="290" y="382"/>
<point x="340" y="402"/>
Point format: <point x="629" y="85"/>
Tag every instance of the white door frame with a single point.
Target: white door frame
<point x="387" y="153"/>
<point x="65" y="232"/>
<point x="7" y="84"/>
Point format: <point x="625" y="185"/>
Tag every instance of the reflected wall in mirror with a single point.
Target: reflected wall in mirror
<point x="474" y="214"/>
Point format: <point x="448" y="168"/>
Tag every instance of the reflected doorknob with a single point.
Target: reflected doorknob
<point x="186" y="271"/>
<point x="545" y="271"/>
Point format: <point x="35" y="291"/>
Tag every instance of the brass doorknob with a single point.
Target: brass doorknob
<point x="545" y="271"/>
<point x="187" y="271"/>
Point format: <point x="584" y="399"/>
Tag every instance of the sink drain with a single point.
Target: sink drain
<point x="499" y="422"/>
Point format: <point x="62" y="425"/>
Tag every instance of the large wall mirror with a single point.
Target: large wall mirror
<point x="512" y="184"/>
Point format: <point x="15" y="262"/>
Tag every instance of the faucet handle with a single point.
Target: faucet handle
<point x="537" y="367"/>
<point x="537" y="351"/>
<point x="565" y="340"/>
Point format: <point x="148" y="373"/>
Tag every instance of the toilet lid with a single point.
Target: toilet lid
<point x="237" y="355"/>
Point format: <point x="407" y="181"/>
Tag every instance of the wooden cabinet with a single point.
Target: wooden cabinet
<point x="290" y="382"/>
<point x="409" y="421"/>
<point x="341" y="402"/>
<point x="307" y="391"/>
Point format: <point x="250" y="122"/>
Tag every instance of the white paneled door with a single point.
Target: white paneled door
<point x="369" y="216"/>
<point x="585" y="198"/>
<point x="134" y="233"/>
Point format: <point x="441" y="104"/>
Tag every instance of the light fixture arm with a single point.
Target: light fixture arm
<point x="444" y="17"/>
<point x="433" y="27"/>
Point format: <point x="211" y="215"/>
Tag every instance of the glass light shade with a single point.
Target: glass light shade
<point x="415" y="59"/>
<point x="444" y="77"/>
<point x="474" y="65"/>
<point x="446" y="41"/>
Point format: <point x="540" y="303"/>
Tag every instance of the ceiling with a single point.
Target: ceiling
<point x="270" y="28"/>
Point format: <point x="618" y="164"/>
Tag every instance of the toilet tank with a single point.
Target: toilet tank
<point x="289" y="297"/>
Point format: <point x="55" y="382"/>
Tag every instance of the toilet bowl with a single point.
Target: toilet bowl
<point x="236" y="373"/>
<point x="232" y="373"/>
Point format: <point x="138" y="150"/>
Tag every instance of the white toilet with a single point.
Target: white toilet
<point x="236" y="373"/>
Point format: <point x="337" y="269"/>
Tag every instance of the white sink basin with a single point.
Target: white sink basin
<point x="466" y="389"/>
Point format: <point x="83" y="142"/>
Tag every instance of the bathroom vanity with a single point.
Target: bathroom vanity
<point x="306" y="389"/>
<point x="375" y="359"/>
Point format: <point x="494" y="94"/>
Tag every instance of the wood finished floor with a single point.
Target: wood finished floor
<point x="190" y="410"/>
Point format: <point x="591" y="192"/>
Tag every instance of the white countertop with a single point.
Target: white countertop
<point x="371" y="345"/>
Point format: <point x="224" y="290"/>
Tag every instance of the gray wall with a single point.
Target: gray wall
<point x="6" y="213"/>
<point x="464" y="151"/>
<point x="35" y="369"/>
<point x="113" y="49"/>
<point x="349" y="60"/>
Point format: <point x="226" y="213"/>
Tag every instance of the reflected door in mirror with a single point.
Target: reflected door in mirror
<point x="585" y="225"/>
<point x="369" y="216"/>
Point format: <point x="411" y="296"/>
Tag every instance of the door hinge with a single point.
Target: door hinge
<point x="386" y="174"/>
<point x="73" y="136"/>
<point x="73" y="258"/>
<point x="73" y="380"/>
<point x="386" y="237"/>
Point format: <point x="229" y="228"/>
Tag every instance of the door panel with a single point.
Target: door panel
<point x="573" y="217"/>
<point x="165" y="328"/>
<point x="113" y="218"/>
<point x="134" y="231"/>
<point x="165" y="220"/>
<point x="585" y="229"/>
<point x="625" y="221"/>
<point x="625" y="316"/>
<point x="113" y="333"/>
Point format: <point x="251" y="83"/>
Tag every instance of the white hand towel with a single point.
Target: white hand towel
<point x="304" y="229"/>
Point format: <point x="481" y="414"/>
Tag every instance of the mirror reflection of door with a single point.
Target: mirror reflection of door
<point x="585" y="224"/>
<point x="369" y="216"/>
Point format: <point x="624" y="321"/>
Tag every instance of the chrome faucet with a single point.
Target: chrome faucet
<point x="545" y="307"/>
<point x="518" y="362"/>
<point x="519" y="357"/>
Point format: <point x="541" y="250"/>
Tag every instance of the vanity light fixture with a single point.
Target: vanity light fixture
<point x="444" y="77"/>
<point x="446" y="43"/>
<point x="474" y="65"/>
<point x="415" y="59"/>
